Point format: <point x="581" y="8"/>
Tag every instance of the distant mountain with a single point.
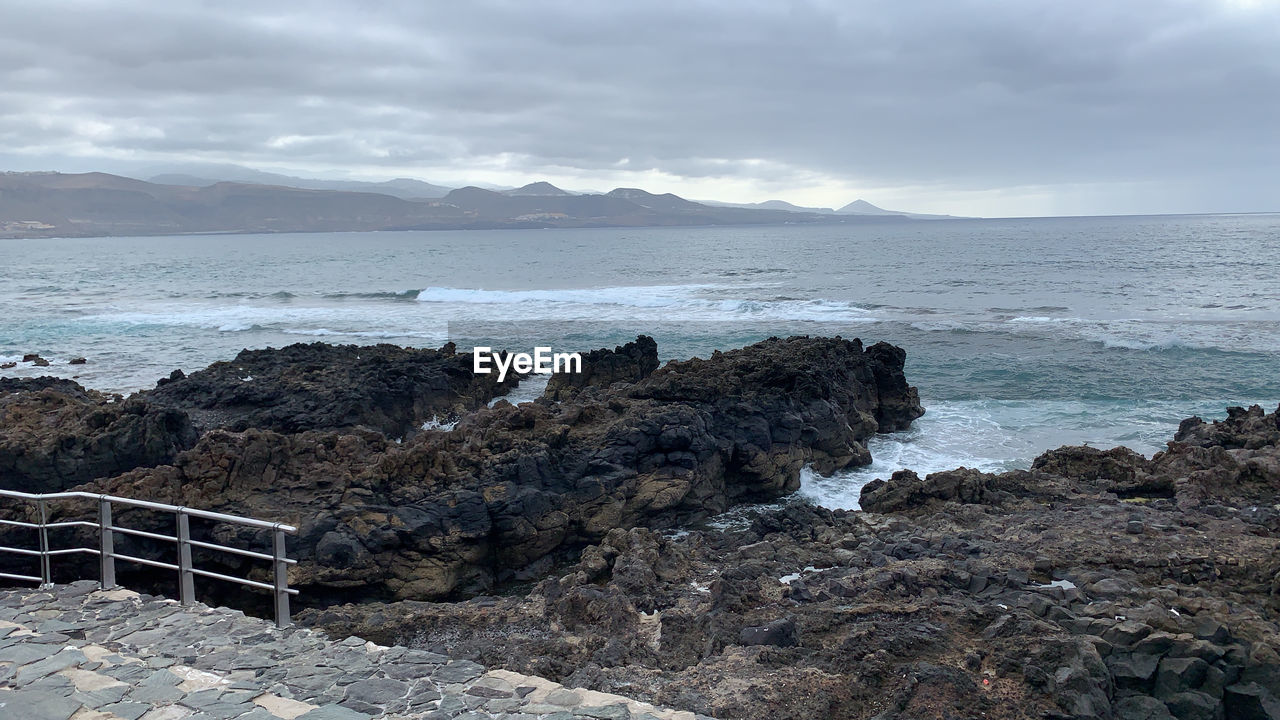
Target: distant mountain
<point x="665" y="202"/>
<point x="771" y="205"/>
<point x="538" y="189"/>
<point x="98" y="204"/>
<point x="862" y="207"/>
<point x="204" y="176"/>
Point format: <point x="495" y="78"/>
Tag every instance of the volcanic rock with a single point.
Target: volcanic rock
<point x="1003" y="596"/>
<point x="510" y="488"/>
<point x="55" y="434"/>
<point x="330" y="387"/>
<point x="629" y="363"/>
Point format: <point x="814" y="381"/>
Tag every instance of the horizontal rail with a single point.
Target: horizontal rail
<point x="71" y="551"/>
<point x="144" y="561"/>
<point x="19" y="523"/>
<point x="238" y="551"/>
<point x="242" y="581"/>
<point x="28" y="578"/>
<point x="147" y="504"/>
<point x="187" y="573"/>
<point x="143" y="533"/>
<point x="21" y="551"/>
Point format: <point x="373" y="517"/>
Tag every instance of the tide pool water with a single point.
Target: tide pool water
<point x="1022" y="335"/>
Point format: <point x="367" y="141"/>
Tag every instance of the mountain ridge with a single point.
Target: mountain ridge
<point x="46" y="204"/>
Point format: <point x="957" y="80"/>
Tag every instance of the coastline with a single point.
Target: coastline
<point x="1094" y="582"/>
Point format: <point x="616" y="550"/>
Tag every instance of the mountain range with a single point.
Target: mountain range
<point x="51" y="204"/>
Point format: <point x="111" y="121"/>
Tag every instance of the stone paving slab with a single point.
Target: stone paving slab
<point x="74" y="652"/>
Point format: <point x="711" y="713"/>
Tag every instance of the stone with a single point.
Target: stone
<point x="1194" y="705"/>
<point x="458" y="671"/>
<point x="1142" y="707"/>
<point x="36" y="705"/>
<point x="377" y="691"/>
<point x="1175" y="675"/>
<point x="1250" y="701"/>
<point x="333" y="712"/>
<point x="1126" y="633"/>
<point x="782" y="633"/>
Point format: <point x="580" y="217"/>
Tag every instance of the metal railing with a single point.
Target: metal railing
<point x="182" y="537"/>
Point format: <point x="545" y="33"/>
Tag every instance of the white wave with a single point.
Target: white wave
<point x="529" y="389"/>
<point x="435" y="423"/>
<point x="647" y="296"/>
<point x="436" y="307"/>
<point x="994" y="436"/>
<point x="439" y="337"/>
<point x="1126" y="333"/>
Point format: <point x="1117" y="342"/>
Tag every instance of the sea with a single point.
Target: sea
<point x="1021" y="334"/>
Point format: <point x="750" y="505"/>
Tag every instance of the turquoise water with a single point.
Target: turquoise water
<point x="1022" y="335"/>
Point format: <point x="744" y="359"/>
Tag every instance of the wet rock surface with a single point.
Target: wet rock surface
<point x="1059" y="592"/>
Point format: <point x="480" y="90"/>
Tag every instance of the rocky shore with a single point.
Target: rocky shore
<point x="567" y="537"/>
<point x="1095" y="585"/>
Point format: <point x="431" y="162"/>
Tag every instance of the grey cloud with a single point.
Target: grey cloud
<point x="956" y="94"/>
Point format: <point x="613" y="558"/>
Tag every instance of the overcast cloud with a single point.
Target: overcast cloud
<point x="961" y="106"/>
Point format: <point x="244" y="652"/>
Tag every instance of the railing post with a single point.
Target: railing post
<point x="46" y="572"/>
<point x="106" y="545"/>
<point x="281" y="578"/>
<point x="187" y="579"/>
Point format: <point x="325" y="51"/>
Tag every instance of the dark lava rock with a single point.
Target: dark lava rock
<point x="1251" y="702"/>
<point x="1007" y="596"/>
<point x="55" y="434"/>
<point x="629" y="363"/>
<point x="905" y="490"/>
<point x="330" y="387"/>
<point x="781" y="632"/>
<point x="510" y="487"/>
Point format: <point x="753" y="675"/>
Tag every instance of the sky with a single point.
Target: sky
<point x="967" y="107"/>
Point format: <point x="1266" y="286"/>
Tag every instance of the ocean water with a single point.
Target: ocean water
<point x="1022" y="335"/>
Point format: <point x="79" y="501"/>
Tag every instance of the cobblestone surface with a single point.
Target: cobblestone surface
<point x="74" y="652"/>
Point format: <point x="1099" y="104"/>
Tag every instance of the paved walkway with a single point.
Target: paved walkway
<point x="73" y="652"/>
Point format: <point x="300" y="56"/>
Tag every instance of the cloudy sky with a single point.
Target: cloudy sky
<point x="1017" y="107"/>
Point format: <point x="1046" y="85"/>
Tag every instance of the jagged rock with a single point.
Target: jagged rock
<point x="1142" y="707"/>
<point x="55" y="434"/>
<point x="781" y="632"/>
<point x="629" y="363"/>
<point x="1194" y="705"/>
<point x="509" y="487"/>
<point x="1251" y="701"/>
<point x="77" y="361"/>
<point x="905" y="490"/>
<point x="1247" y="429"/>
<point x="330" y="387"/>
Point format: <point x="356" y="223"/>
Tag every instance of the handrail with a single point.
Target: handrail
<point x="186" y="572"/>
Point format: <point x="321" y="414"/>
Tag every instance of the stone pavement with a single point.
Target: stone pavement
<point x="73" y="652"/>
